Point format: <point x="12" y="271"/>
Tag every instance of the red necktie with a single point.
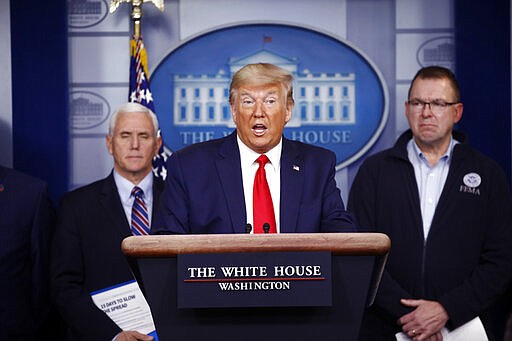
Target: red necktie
<point x="263" y="209"/>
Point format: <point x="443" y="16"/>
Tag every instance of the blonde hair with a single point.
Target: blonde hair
<point x="261" y="74"/>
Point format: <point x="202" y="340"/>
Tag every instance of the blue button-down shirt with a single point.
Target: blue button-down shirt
<point x="430" y="180"/>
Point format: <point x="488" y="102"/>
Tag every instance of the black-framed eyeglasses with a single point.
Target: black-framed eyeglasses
<point x="436" y="106"/>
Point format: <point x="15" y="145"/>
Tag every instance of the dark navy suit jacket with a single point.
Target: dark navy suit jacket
<point x="87" y="255"/>
<point x="204" y="191"/>
<point x="26" y="226"/>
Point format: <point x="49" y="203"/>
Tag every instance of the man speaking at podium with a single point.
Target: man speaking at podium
<point x="253" y="180"/>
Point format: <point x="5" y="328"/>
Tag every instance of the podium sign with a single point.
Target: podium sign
<point x="268" y="279"/>
<point x="356" y="264"/>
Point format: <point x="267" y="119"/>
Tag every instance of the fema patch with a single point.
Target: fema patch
<point x="472" y="180"/>
<point x="341" y="99"/>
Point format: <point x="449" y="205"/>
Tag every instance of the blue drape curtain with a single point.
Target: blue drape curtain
<point x="482" y="37"/>
<point x="40" y="90"/>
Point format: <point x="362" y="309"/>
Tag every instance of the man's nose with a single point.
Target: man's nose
<point x="259" y="109"/>
<point x="134" y="142"/>
<point x="425" y="111"/>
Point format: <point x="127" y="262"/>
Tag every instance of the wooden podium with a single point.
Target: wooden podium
<point x="358" y="260"/>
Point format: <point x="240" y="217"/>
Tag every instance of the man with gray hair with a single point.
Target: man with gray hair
<point x="93" y="221"/>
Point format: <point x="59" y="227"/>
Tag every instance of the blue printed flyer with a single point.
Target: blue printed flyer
<point x="127" y="307"/>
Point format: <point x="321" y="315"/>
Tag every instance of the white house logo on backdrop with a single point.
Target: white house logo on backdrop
<point x="437" y="51"/>
<point x="340" y="98"/>
<point x="322" y="99"/>
<point x="88" y="110"/>
<point x="86" y="13"/>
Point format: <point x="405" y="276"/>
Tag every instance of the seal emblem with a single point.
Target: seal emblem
<point x="341" y="99"/>
<point x="472" y="180"/>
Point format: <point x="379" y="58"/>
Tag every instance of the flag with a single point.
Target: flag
<point x="267" y="39"/>
<point x="139" y="92"/>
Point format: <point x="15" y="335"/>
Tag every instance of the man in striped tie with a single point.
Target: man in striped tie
<point x="93" y="221"/>
<point x="140" y="216"/>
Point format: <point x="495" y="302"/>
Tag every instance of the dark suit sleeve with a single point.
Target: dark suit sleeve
<point x="41" y="234"/>
<point x="334" y="216"/>
<point x="490" y="278"/>
<point x="172" y="213"/>
<point x="68" y="277"/>
<point x="26" y="225"/>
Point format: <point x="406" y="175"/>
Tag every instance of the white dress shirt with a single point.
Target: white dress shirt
<point x="125" y="187"/>
<point x="249" y="167"/>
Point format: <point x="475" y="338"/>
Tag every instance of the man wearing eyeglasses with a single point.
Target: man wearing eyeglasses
<point x="448" y="211"/>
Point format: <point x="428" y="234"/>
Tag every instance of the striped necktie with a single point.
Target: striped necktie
<point x="140" y="220"/>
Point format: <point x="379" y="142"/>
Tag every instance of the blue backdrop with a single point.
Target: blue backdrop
<point x="40" y="86"/>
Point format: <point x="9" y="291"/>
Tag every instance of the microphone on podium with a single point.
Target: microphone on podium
<point x="248" y="228"/>
<point x="266" y="227"/>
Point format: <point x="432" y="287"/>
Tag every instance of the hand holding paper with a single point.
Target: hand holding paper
<point x="428" y="318"/>
<point x="126" y="306"/>
<point x="132" y="335"/>
<point x="471" y="331"/>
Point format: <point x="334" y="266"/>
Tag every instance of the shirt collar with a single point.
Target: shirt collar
<point x="125" y="186"/>
<point x="249" y="156"/>
<point x="413" y="147"/>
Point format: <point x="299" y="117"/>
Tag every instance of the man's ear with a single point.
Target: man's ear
<point x="289" y="111"/>
<point x="108" y="142"/>
<point x="158" y="144"/>
<point x="459" y="108"/>
<point x="233" y="112"/>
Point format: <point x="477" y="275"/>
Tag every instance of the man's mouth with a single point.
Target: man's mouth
<point x="259" y="129"/>
<point x="427" y="125"/>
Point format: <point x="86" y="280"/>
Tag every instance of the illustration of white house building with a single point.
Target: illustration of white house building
<point x="320" y="98"/>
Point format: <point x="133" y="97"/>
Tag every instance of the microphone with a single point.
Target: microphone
<point x="266" y="227"/>
<point x="248" y="228"/>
